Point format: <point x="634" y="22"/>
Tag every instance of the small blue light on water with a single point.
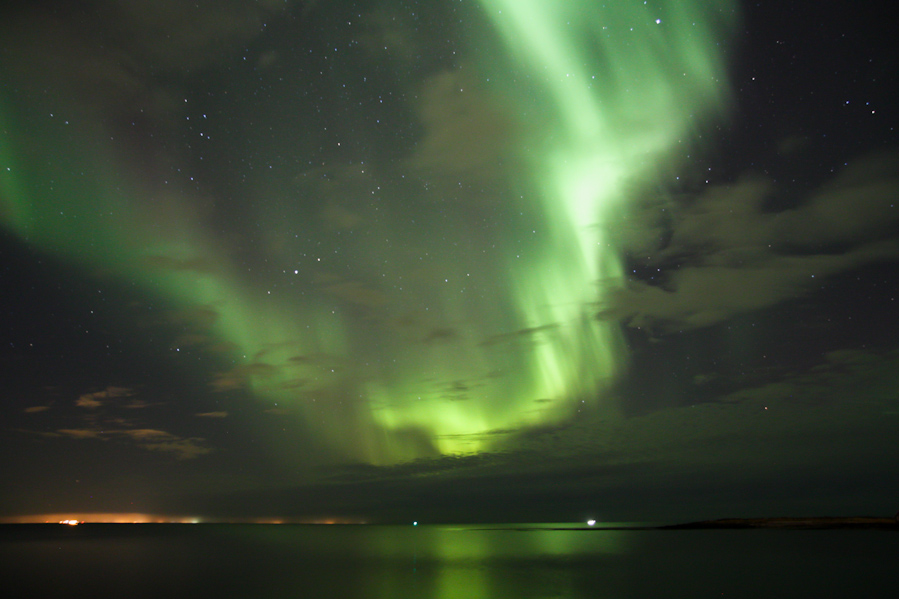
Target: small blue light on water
<point x="415" y="523"/>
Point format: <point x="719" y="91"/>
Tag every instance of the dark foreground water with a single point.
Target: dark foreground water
<point x="441" y="562"/>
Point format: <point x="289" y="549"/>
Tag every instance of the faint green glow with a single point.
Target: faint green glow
<point x="12" y="212"/>
<point x="456" y="354"/>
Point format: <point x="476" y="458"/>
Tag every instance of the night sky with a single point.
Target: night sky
<point x="450" y="260"/>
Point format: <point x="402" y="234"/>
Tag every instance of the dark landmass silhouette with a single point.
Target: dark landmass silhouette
<point x="860" y="522"/>
<point x="812" y="523"/>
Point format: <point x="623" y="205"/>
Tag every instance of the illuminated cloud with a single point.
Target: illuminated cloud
<point x="36" y="409"/>
<point x="98" y="398"/>
<point x="213" y="414"/>
<point x="136" y="404"/>
<point x="88" y="401"/>
<point x="80" y="433"/>
<point x="144" y="434"/>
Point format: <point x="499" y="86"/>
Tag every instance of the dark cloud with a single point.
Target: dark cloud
<point x="357" y="293"/>
<point x="339" y="217"/>
<point x="238" y="378"/>
<point x="294" y="383"/>
<point x="195" y="265"/>
<point x="817" y="386"/>
<point x="199" y="318"/>
<point x="66" y="53"/>
<point x="390" y="34"/>
<point x="182" y="449"/>
<point x="182" y="36"/>
<point x="467" y="135"/>
<point x="857" y="207"/>
<point x="150" y="439"/>
<point x="527" y="334"/>
<point x="277" y="411"/>
<point x="318" y="359"/>
<point x="439" y="335"/>
<point x="271" y="348"/>
<point x="725" y="252"/>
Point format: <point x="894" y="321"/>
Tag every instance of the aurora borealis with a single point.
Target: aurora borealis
<point x="262" y="246"/>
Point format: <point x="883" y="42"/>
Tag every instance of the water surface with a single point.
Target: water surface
<point x="442" y="562"/>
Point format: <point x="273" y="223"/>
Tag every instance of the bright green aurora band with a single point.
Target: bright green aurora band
<point x="621" y="88"/>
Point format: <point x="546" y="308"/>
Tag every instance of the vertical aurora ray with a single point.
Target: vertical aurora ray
<point x="424" y="344"/>
<point x="619" y="89"/>
<point x="622" y="84"/>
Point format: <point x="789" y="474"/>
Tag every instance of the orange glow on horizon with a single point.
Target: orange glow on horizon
<point x="141" y="518"/>
<point x="98" y="517"/>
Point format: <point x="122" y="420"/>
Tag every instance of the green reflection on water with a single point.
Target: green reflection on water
<point x="451" y="562"/>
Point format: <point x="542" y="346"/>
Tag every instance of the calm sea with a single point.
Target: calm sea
<point x="441" y="562"/>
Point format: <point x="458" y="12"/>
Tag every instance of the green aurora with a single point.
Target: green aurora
<point x="395" y="341"/>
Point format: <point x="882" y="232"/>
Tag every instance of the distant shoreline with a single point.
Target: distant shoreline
<point x="820" y="523"/>
<point x="864" y="523"/>
<point x="816" y="523"/>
